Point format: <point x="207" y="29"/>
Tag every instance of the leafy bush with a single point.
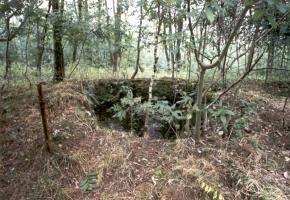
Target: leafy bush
<point x="233" y="122"/>
<point x="160" y="110"/>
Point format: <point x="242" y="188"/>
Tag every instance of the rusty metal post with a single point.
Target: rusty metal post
<point x="43" y="116"/>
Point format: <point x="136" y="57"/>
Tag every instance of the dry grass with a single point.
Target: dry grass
<point x="142" y="168"/>
<point x="109" y="163"/>
<point x="184" y="146"/>
<point x="257" y="189"/>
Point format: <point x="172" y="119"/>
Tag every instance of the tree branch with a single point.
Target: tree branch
<point x="225" y="50"/>
<point x="238" y="81"/>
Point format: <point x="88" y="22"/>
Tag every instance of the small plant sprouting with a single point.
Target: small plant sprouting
<point x="89" y="182"/>
<point x="224" y="115"/>
<point x="232" y="121"/>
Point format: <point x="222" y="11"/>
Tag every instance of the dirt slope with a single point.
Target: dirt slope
<point x="128" y="167"/>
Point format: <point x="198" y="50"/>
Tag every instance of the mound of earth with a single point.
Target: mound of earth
<point x="255" y="166"/>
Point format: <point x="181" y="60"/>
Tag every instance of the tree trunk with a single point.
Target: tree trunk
<point x="224" y="72"/>
<point x="7" y="53"/>
<point x="75" y="43"/>
<point x="252" y="50"/>
<point x="238" y="58"/>
<point x="75" y="52"/>
<point x="171" y="46"/>
<point x="108" y="38"/>
<point x="26" y="59"/>
<point x="139" y="41"/>
<point x="199" y="111"/>
<point x="41" y="40"/>
<point x="203" y="66"/>
<point x="179" y="35"/>
<point x="166" y="50"/>
<point x="150" y="96"/>
<point x="59" y="72"/>
<point x="117" y="33"/>
<point x="282" y="60"/>
<point x="158" y="29"/>
<point x="270" y="60"/>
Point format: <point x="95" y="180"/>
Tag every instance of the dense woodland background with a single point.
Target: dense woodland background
<point x="233" y="39"/>
<point x="43" y="37"/>
<point x="204" y="84"/>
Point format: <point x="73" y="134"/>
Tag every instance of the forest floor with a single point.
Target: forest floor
<point x="256" y="166"/>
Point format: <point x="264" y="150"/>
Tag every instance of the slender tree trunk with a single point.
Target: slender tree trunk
<point x="180" y="16"/>
<point x="108" y="38"/>
<point x="270" y="59"/>
<point x="203" y="66"/>
<point x="252" y="50"/>
<point x="75" y="51"/>
<point x="224" y="72"/>
<point x="7" y="53"/>
<point x="26" y="59"/>
<point x="282" y="59"/>
<point x="59" y="73"/>
<point x="238" y="57"/>
<point x="75" y="42"/>
<point x="171" y="44"/>
<point x="166" y="50"/>
<point x="189" y="65"/>
<point x="204" y="40"/>
<point x="117" y="33"/>
<point x="150" y="96"/>
<point x="41" y="41"/>
<point x="139" y="42"/>
<point x="158" y="29"/>
<point x="199" y="111"/>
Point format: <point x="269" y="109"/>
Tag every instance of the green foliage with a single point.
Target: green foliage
<point x="166" y="112"/>
<point x="223" y="114"/>
<point x="135" y="105"/>
<point x="209" y="14"/>
<point x="89" y="182"/>
<point x="239" y="121"/>
<point x="129" y="104"/>
<point x="270" y="12"/>
<point x="160" y="173"/>
<point x="247" y="108"/>
<point x="159" y="110"/>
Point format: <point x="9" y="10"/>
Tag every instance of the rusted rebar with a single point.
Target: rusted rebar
<point x="44" y="118"/>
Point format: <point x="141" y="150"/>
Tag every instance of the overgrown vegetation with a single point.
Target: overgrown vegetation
<point x="144" y="99"/>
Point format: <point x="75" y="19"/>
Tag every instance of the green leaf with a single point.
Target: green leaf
<point x="258" y="14"/>
<point x="89" y="182"/>
<point x="270" y="2"/>
<point x="229" y="112"/>
<point x="229" y="2"/>
<point x="224" y="121"/>
<point x="209" y="14"/>
<point x="170" y="2"/>
<point x="273" y="22"/>
<point x="248" y="2"/>
<point x="282" y="8"/>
